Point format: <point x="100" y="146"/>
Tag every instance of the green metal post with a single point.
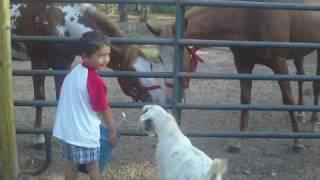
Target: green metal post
<point x="177" y="67"/>
<point x="8" y="147"/>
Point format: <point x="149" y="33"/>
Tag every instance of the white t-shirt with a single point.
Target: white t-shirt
<point x="77" y="122"/>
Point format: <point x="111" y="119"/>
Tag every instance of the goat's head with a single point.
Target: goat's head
<point x="150" y="116"/>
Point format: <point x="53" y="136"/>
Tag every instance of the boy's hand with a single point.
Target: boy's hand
<point x="113" y="136"/>
<point x="107" y="117"/>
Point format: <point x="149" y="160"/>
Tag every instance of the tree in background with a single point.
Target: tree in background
<point x="144" y="13"/>
<point x="123" y="13"/>
<point x="108" y="8"/>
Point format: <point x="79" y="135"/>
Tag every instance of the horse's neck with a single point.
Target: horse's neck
<point x="105" y="25"/>
<point x="122" y="56"/>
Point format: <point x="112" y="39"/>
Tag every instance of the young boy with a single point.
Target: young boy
<point x="83" y="100"/>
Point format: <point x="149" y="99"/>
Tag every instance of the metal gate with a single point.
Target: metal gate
<point x="179" y="42"/>
<point x="177" y="75"/>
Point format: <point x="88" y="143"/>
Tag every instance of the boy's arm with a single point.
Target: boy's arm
<point x="108" y="119"/>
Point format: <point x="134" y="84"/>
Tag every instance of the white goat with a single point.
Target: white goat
<point x="176" y="158"/>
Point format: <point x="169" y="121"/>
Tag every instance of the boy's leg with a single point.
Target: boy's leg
<point x="93" y="170"/>
<point x="71" y="170"/>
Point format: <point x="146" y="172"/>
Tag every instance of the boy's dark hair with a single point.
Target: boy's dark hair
<point x="92" y="41"/>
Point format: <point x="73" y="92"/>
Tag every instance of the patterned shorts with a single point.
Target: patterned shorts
<point x="79" y="155"/>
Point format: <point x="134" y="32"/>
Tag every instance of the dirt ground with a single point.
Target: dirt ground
<point x="267" y="159"/>
<point x="259" y="159"/>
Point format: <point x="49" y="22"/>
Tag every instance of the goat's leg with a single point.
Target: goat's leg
<point x="298" y="62"/>
<point x="280" y="66"/>
<point x="316" y="91"/>
<point x="246" y="86"/>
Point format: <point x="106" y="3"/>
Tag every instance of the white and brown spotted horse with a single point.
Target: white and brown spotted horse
<point x="252" y="25"/>
<point x="43" y="19"/>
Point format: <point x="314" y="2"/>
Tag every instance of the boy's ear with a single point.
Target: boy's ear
<point x="84" y="56"/>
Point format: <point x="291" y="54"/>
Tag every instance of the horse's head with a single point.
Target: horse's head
<point x="131" y="58"/>
<point x="125" y="58"/>
<point x="72" y="21"/>
<point x="36" y="20"/>
<point x="42" y="19"/>
<point x="167" y="58"/>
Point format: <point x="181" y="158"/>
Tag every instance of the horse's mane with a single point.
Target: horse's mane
<point x="195" y="10"/>
<point x="128" y="52"/>
<point x="103" y="21"/>
<point x="131" y="53"/>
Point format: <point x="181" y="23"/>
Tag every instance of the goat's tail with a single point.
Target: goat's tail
<point x="219" y="167"/>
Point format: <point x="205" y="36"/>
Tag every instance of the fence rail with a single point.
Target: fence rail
<point x="217" y="3"/>
<point x="178" y="42"/>
<point x="167" y="41"/>
<point x="208" y="106"/>
<point x="194" y="75"/>
<point x="217" y="134"/>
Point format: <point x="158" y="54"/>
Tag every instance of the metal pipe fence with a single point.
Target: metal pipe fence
<point x="178" y="42"/>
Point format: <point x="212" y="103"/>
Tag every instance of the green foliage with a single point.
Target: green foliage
<point x="110" y="8"/>
<point x="161" y="9"/>
<point x="134" y="34"/>
<point x="101" y="7"/>
<point x="131" y="8"/>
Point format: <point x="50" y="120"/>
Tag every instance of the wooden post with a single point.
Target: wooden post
<point x="8" y="146"/>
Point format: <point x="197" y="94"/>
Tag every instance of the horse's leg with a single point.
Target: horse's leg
<point x="246" y="86"/>
<point x="280" y="66"/>
<point x="58" y="84"/>
<point x="58" y="80"/>
<point x="316" y="91"/>
<point x="298" y="62"/>
<point x="39" y="94"/>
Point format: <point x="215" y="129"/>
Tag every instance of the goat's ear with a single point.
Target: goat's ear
<point x="146" y="108"/>
<point x="145" y="114"/>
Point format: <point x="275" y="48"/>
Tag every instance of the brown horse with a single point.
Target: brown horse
<point x="252" y="25"/>
<point x="72" y="21"/>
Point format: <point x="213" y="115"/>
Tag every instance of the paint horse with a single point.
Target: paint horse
<point x="44" y="19"/>
<point x="252" y="25"/>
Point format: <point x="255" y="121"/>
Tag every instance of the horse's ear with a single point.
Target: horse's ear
<point x="173" y="27"/>
<point x="155" y="31"/>
<point x="116" y="49"/>
<point x="185" y="23"/>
